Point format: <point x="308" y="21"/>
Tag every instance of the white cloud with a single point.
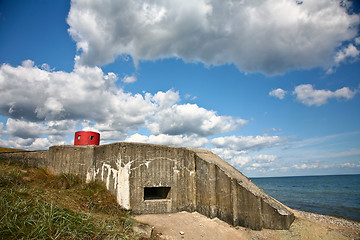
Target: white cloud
<point x="35" y="143"/>
<point x="47" y="67"/>
<point x="245" y="143"/>
<point x="33" y="94"/>
<point x="278" y="93"/>
<point x="235" y="158"/>
<point x="357" y="41"/>
<point x="243" y="160"/>
<point x="28" y="63"/>
<point x="40" y="102"/>
<point x="176" y="140"/>
<point x="319" y="165"/>
<point x="166" y="99"/>
<point x="26" y="129"/>
<point x="137" y="138"/>
<point x="190" y="119"/>
<point x="351" y="165"/>
<point x="129" y="79"/>
<point x="266" y="36"/>
<point x="350" y="52"/>
<point x="188" y="96"/>
<point x="309" y="96"/>
<point x="306" y="166"/>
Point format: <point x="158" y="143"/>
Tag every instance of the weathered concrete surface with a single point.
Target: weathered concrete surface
<point x="71" y="160"/>
<point x="34" y="159"/>
<point x="198" y="181"/>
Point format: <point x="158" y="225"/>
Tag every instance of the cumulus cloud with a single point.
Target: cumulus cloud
<point x="166" y="99"/>
<point x="278" y="93"/>
<point x="357" y="41"/>
<point x="242" y="151"/>
<point x="242" y="157"/>
<point x="243" y="160"/>
<point x="129" y="79"/>
<point x="309" y="96"/>
<point x="266" y="36"/>
<point x="33" y="94"/>
<point x="175" y="140"/>
<point x="235" y="158"/>
<point x="26" y="129"/>
<point x="246" y="143"/>
<point x="41" y="102"/>
<point x="350" y="52"/>
<point x="34" y="143"/>
<point x="191" y="119"/>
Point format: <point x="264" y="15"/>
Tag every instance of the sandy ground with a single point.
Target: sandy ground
<point x="184" y="225"/>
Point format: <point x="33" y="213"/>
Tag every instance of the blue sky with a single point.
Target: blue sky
<point x="270" y="86"/>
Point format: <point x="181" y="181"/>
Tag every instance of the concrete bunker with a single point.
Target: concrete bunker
<point x="149" y="178"/>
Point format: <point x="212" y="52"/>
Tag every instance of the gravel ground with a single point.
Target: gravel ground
<point x="331" y="220"/>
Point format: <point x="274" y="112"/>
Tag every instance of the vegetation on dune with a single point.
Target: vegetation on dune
<point x="38" y="205"/>
<point x="3" y="149"/>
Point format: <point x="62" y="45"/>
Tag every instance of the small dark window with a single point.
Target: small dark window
<point x="154" y="193"/>
<point x="91" y="137"/>
<point x="79" y="137"/>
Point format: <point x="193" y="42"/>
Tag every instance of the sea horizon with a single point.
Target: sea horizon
<point x="334" y="195"/>
<point x="315" y="175"/>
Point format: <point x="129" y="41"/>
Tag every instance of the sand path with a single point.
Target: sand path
<point x="194" y="226"/>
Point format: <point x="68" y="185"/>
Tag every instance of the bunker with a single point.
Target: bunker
<point x="148" y="178"/>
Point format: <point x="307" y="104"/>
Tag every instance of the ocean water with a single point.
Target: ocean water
<point x="335" y="195"/>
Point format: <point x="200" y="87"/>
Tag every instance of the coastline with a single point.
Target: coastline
<point x="331" y="195"/>
<point x="338" y="221"/>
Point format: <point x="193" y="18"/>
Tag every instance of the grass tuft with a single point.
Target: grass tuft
<point x="37" y="205"/>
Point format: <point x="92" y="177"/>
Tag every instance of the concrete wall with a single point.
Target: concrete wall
<point x="33" y="159"/>
<point x="198" y="181"/>
<point x="71" y="160"/>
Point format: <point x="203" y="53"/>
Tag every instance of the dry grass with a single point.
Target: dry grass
<point x="37" y="205"/>
<point x="3" y="149"/>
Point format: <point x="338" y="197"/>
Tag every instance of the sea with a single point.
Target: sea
<point x="334" y="195"/>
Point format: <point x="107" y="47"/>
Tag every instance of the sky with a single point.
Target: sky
<point x="270" y="86"/>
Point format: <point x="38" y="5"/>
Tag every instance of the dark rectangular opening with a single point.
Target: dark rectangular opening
<point x="155" y="193"/>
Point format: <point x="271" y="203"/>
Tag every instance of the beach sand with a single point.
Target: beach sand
<point x="184" y="225"/>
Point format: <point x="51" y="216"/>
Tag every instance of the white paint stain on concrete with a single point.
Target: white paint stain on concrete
<point x="123" y="189"/>
<point x="106" y="168"/>
<point x="121" y="176"/>
<point x="147" y="164"/>
<point x="91" y="175"/>
<point x="88" y="177"/>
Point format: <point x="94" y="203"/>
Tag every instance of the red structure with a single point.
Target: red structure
<point x="87" y="138"/>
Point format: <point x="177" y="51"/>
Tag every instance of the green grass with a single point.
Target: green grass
<point x="37" y="205"/>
